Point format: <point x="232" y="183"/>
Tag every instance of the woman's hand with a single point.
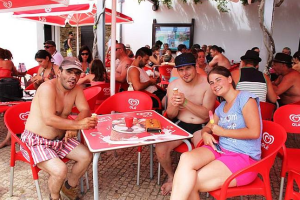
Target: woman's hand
<point x="217" y="130"/>
<point x="37" y="79"/>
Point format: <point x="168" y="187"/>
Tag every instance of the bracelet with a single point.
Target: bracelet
<point x="185" y="102"/>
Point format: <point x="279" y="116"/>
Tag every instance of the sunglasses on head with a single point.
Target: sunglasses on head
<point x="47" y="47"/>
<point x="84" y="54"/>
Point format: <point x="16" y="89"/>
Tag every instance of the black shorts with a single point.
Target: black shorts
<point x="191" y="128"/>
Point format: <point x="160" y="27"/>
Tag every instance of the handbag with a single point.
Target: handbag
<point x="153" y="126"/>
<point x="10" y="90"/>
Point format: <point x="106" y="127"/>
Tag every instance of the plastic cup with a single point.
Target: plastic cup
<point x="129" y="122"/>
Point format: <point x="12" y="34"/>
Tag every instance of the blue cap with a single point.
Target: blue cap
<point x="185" y="59"/>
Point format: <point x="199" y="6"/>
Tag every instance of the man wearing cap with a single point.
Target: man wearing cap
<point x="50" y="135"/>
<point x="50" y="46"/>
<point x="123" y="64"/>
<point x="249" y="78"/>
<point x="288" y="88"/>
<point x="188" y="107"/>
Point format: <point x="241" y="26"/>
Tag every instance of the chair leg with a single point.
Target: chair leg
<point x="11" y="181"/>
<point x="151" y="161"/>
<point x="81" y="186"/>
<point x="87" y="181"/>
<point x="138" y="169"/>
<point x="158" y="174"/>
<point x="281" y="188"/>
<point x="38" y="189"/>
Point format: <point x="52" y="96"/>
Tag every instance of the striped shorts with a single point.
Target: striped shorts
<point x="43" y="149"/>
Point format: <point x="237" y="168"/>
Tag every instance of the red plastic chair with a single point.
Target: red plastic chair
<point x="126" y="102"/>
<point x="297" y="103"/>
<point x="273" y="139"/>
<point x="33" y="70"/>
<point x="290" y="193"/>
<point x="159" y="107"/>
<point x="288" y="117"/>
<point x="91" y="95"/>
<point x="165" y="73"/>
<point x="5" y="73"/>
<point x="105" y="92"/>
<point x="267" y="110"/>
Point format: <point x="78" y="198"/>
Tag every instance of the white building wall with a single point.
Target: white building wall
<point x="235" y="31"/>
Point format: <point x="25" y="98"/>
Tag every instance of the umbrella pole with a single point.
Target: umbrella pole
<point x="113" y="51"/>
<point x="77" y="49"/>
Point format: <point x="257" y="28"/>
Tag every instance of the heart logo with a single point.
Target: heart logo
<point x="24" y="116"/>
<point x="267" y="138"/>
<point x="169" y="70"/>
<point x="133" y="102"/>
<point x="295" y="118"/>
<point x="105" y="90"/>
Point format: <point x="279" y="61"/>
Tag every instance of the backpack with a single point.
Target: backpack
<point x="66" y="46"/>
<point x="10" y="90"/>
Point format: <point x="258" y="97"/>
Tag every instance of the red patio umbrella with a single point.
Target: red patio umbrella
<point x="19" y="5"/>
<point x="75" y="15"/>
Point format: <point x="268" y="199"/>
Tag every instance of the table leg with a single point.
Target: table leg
<point x="151" y="161"/>
<point x="95" y="175"/>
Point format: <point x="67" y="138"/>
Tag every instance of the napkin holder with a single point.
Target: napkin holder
<point x="153" y="126"/>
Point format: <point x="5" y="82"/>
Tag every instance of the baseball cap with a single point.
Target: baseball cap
<point x="185" y="59"/>
<point x="71" y="63"/>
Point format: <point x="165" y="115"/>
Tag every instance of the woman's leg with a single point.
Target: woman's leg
<point x="6" y="141"/>
<point x="211" y="177"/>
<point x="186" y="173"/>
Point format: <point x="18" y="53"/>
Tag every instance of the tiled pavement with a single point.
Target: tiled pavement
<point x="117" y="176"/>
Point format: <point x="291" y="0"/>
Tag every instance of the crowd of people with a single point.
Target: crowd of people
<point x="200" y="77"/>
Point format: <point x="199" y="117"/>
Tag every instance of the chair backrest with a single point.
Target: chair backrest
<point x="5" y="73"/>
<point x="30" y="87"/>
<point x="290" y="193"/>
<point x="267" y="110"/>
<point x="288" y="117"/>
<point x="33" y="70"/>
<point x="91" y="95"/>
<point x="125" y="102"/>
<point x="105" y="92"/>
<point x="16" y="116"/>
<point x="297" y="103"/>
<point x="165" y="72"/>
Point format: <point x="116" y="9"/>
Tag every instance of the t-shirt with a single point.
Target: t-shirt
<point x="234" y="119"/>
<point x="57" y="58"/>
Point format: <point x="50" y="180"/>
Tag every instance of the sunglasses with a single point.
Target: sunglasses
<point x="86" y="54"/>
<point x="47" y="47"/>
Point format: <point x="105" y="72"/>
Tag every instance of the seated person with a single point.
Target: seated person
<point x="123" y="63"/>
<point x="218" y="58"/>
<point x="97" y="74"/>
<point x="50" y="135"/>
<point x="238" y="124"/>
<point x="248" y="78"/>
<point x="188" y="108"/>
<point x="138" y="79"/>
<point x="7" y="65"/>
<point x="85" y="58"/>
<point x="296" y="61"/>
<point x="155" y="58"/>
<point x="47" y="70"/>
<point x="288" y="88"/>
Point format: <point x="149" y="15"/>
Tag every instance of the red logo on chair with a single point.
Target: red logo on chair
<point x="268" y="139"/>
<point x="106" y="91"/>
<point x="24" y="116"/>
<point x="169" y="70"/>
<point x="133" y="103"/>
<point x="295" y="118"/>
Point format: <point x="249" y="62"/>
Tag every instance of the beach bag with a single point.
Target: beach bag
<point x="10" y="90"/>
<point x="66" y="46"/>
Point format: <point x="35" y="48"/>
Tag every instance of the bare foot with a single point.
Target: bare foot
<point x="166" y="188"/>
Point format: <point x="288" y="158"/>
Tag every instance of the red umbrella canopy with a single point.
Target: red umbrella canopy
<point x="75" y="15"/>
<point x="19" y="5"/>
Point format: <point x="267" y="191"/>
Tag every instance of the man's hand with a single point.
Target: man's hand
<point x="88" y="123"/>
<point x="70" y="134"/>
<point x="178" y="99"/>
<point x="153" y="81"/>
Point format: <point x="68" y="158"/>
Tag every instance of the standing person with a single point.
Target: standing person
<point x="68" y="47"/>
<point x="50" y="46"/>
<point x="218" y="58"/>
<point x="85" y="57"/>
<point x="249" y="78"/>
<point x="238" y="124"/>
<point x="124" y="62"/>
<point x="188" y="108"/>
<point x="288" y="87"/>
<point x="50" y="135"/>
<point x="47" y="70"/>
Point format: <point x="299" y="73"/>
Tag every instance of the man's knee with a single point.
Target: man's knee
<point x="60" y="173"/>
<point x="162" y="150"/>
<point x="86" y="155"/>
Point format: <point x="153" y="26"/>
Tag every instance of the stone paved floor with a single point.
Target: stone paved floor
<point x="117" y="176"/>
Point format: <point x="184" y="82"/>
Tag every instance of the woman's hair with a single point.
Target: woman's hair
<point x="43" y="54"/>
<point x="221" y="71"/>
<point x="218" y="49"/>
<point x="85" y="48"/>
<point x="5" y="54"/>
<point x="98" y="70"/>
<point x="297" y="55"/>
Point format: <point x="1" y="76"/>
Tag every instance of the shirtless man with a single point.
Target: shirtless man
<point x="188" y="107"/>
<point x="125" y="62"/>
<point x="50" y="135"/>
<point x="218" y="58"/>
<point x="288" y="89"/>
